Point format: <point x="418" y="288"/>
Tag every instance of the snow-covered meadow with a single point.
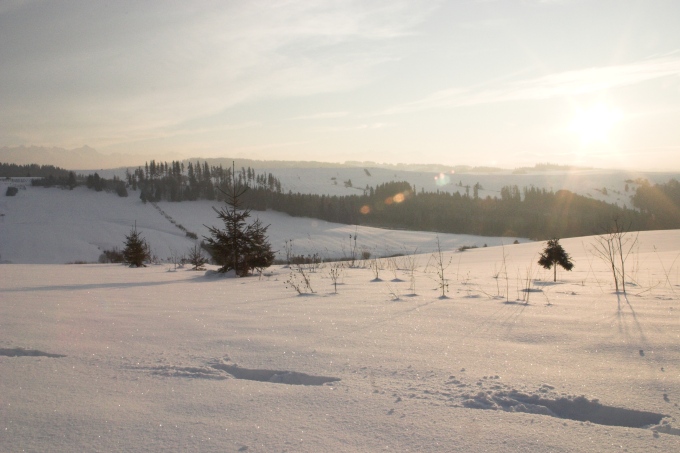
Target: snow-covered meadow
<point x="55" y="226"/>
<point x="101" y="357"/>
<point x="58" y="226"/>
<point x="108" y="358"/>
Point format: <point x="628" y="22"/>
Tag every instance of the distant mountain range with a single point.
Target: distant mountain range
<point x="84" y="158"/>
<point x="87" y="158"/>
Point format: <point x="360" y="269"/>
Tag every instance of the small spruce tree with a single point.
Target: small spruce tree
<point x="72" y="180"/>
<point x="196" y="258"/>
<point x="554" y="255"/>
<point x="239" y="246"/>
<point x="259" y="253"/>
<point x="136" y="249"/>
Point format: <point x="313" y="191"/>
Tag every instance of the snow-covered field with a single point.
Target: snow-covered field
<point x="57" y="226"/>
<point x="108" y="358"/>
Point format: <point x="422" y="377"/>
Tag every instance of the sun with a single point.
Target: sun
<point x="594" y="124"/>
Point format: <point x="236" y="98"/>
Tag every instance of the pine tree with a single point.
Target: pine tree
<point x="72" y="180"/>
<point x="554" y="255"/>
<point x="259" y="254"/>
<point x="238" y="246"/>
<point x="196" y="258"/>
<point x="136" y="249"/>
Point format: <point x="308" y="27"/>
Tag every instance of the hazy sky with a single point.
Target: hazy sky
<point x="475" y="82"/>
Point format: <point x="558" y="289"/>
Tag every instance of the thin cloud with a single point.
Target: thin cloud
<point x="268" y="146"/>
<point x="360" y="127"/>
<point x="88" y="72"/>
<point x="569" y="83"/>
<point x="321" y="116"/>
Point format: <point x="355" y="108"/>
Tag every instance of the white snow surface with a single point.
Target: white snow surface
<point x="102" y="357"/>
<point x="110" y="358"/>
<point x="58" y="226"/>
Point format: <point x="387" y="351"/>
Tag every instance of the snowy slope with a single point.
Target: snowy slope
<point x="589" y="183"/>
<point x="108" y="358"/>
<point x="331" y="181"/>
<point x="56" y="226"/>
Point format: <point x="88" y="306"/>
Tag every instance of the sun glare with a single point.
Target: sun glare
<point x="594" y="124"/>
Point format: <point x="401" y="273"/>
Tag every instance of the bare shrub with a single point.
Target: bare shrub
<point x="376" y="266"/>
<point x="667" y="272"/>
<point x="288" y="250"/>
<point x="440" y="265"/>
<point x="115" y="255"/>
<point x="393" y="267"/>
<point x="524" y="283"/>
<point x="410" y="262"/>
<point x="335" y="272"/>
<point x="176" y="258"/>
<point x="393" y="292"/>
<point x="312" y="262"/>
<point x="614" y="247"/>
<point x="502" y="272"/>
<point x="299" y="280"/>
<point x="353" y="248"/>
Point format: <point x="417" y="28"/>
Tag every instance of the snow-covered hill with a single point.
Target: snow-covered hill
<point x="605" y="185"/>
<point x="109" y="358"/>
<point x="611" y="186"/>
<point x="101" y="357"/>
<point x="55" y="226"/>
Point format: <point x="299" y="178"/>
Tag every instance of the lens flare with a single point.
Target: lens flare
<point x="365" y="209"/>
<point x="442" y="179"/>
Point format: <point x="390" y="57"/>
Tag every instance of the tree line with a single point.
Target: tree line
<point x="194" y="181"/>
<point x="660" y="203"/>
<point x="528" y="212"/>
<point x="32" y="171"/>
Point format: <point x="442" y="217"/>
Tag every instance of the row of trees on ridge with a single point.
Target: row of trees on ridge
<point x="527" y="212"/>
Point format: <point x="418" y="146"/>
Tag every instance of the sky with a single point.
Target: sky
<point x="504" y="83"/>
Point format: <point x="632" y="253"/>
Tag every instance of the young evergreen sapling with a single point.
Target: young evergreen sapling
<point x="239" y="246"/>
<point x="136" y="249"/>
<point x="554" y="255"/>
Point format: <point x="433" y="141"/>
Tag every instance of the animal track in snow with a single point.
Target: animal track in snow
<point x="21" y="352"/>
<point x="579" y="408"/>
<point x="220" y="369"/>
<point x="274" y="376"/>
<point x="187" y="372"/>
<point x="490" y="393"/>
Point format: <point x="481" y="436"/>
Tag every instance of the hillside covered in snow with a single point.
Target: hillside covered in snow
<point x="49" y="225"/>
<point x="103" y="357"/>
<point x="474" y="348"/>
<point x="57" y="226"/>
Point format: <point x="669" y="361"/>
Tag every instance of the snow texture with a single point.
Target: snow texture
<point x="102" y="357"/>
